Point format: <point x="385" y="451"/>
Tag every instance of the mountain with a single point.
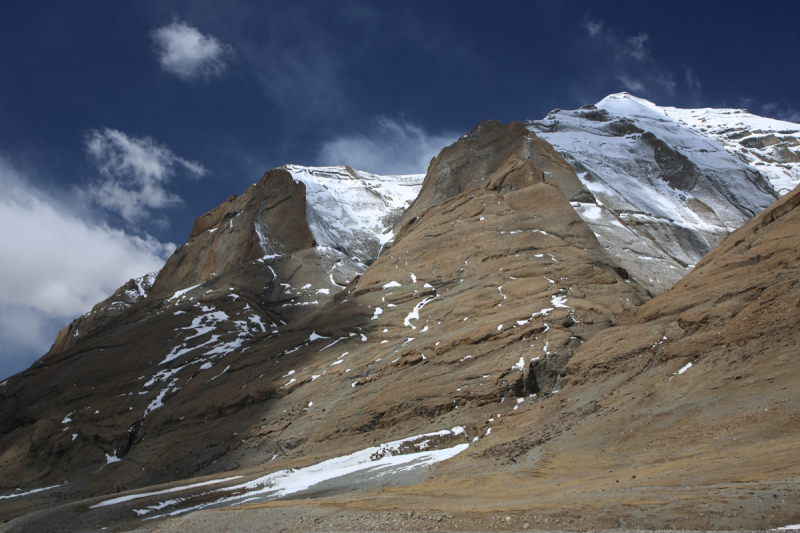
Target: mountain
<point x="499" y="313"/>
<point x="312" y="228"/>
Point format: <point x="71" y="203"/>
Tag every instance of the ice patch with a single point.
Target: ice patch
<point x="374" y="462"/>
<point x="123" y="499"/>
<point x="112" y="458"/>
<point x="314" y="337"/>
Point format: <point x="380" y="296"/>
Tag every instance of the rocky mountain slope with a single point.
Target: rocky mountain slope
<point x="312" y="229"/>
<point x="684" y="419"/>
<point x="503" y="317"/>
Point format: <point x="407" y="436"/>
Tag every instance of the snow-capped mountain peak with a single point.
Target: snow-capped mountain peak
<point x="671" y="183"/>
<point x="770" y="146"/>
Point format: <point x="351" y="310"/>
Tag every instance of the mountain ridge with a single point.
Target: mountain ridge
<point x="277" y="337"/>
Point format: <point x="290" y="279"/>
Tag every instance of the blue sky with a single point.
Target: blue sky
<point x="121" y="122"/>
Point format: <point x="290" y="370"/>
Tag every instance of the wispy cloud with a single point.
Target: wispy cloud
<point x="782" y="111"/>
<point x="692" y="79"/>
<point x="299" y="63"/>
<point x="56" y="266"/>
<point x="636" y="47"/>
<point x="592" y="27"/>
<point x="621" y="46"/>
<point x="628" y="62"/>
<point x="189" y="54"/>
<point x="136" y="171"/>
<point x="391" y="147"/>
<point x="631" y="84"/>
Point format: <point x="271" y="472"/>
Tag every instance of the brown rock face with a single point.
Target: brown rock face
<point x="467" y="163"/>
<point x="483" y="297"/>
<point x="103" y="313"/>
<point x="268" y="219"/>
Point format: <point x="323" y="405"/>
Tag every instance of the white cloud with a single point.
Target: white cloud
<point x="189" y="54"/>
<point x="136" y="171"/>
<point x="56" y="266"/>
<point x="391" y="148"/>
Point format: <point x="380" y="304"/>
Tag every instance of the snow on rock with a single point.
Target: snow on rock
<point x="33" y="491"/>
<point x="209" y="322"/>
<point x="559" y="301"/>
<point x="667" y="184"/>
<point x="770" y="146"/>
<point x="354" y="211"/>
<point x="179" y="294"/>
<point x="414" y="314"/>
<point x="141" y="287"/>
